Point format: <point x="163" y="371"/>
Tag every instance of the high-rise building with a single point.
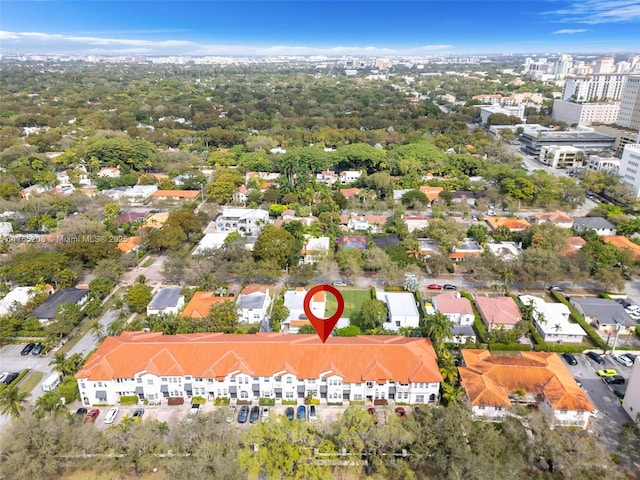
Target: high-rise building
<point x="594" y="88"/>
<point x="629" y="115"/>
<point x="630" y="168"/>
<point x="604" y="65"/>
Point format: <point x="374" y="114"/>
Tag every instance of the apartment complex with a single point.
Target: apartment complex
<point x="630" y="104"/>
<point x="594" y="88"/>
<point x="585" y="113"/>
<point x="630" y="168"/>
<point x="156" y="367"/>
<point x="562" y="156"/>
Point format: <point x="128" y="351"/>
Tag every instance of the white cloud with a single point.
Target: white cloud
<point x="568" y="31"/>
<point x="38" y="42"/>
<point x="599" y="11"/>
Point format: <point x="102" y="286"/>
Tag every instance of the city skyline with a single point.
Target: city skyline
<point x="331" y="28"/>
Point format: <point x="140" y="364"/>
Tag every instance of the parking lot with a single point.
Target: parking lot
<point x="611" y="416"/>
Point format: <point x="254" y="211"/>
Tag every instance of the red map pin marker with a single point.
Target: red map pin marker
<point x="323" y="326"/>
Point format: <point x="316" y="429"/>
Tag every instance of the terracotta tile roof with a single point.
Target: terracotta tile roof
<point x="553" y="217"/>
<point x="176" y="193"/>
<point x="489" y="379"/>
<point x="200" y="304"/>
<point x="498" y="310"/>
<point x="320" y="297"/>
<point x="431" y="192"/>
<point x="157" y="220"/>
<point x="350" y="192"/>
<point x="624" y="243"/>
<point x="573" y="244"/>
<point x="216" y="355"/>
<point x="510" y="223"/>
<point x="452" y="302"/>
<point x="249" y="289"/>
<point x="129" y="244"/>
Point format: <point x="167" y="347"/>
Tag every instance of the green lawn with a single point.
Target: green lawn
<point x="352" y="301"/>
<point x="31" y="381"/>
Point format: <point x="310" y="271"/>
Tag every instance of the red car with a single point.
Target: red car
<point x="372" y="411"/>
<point x="434" y="286"/>
<point x="400" y="411"/>
<point x="92" y="415"/>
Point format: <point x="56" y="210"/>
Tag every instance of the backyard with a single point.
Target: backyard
<point x="352" y="301"/>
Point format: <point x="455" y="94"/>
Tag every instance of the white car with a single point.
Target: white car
<point x="623" y="360"/>
<point x="313" y="413"/>
<point x="231" y="414"/>
<point x="195" y="408"/>
<point x="265" y="414"/>
<point x="111" y="415"/>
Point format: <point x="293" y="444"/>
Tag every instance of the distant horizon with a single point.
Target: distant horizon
<point x="381" y="28"/>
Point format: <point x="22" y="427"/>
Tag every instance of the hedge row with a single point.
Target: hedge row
<point x="520" y="347"/>
<point x="593" y="335"/>
<point x="478" y="325"/>
<point x="560" y="348"/>
<point x="129" y="400"/>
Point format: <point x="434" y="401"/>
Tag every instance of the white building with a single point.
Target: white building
<point x="314" y="249"/>
<point x="594" y="88"/>
<point x="552" y="321"/>
<point x="585" y="113"/>
<point x="210" y="241"/>
<point x="294" y="301"/>
<point x="631" y="403"/>
<point x="168" y="300"/>
<point x="607" y="164"/>
<point x="630" y="104"/>
<point x="459" y="310"/>
<point x="561" y="156"/>
<point x="630" y="168"/>
<point x="349" y="176"/>
<point x="253" y="304"/>
<point x="16" y="298"/>
<point x="601" y="226"/>
<point x="245" y="221"/>
<point x="402" y="310"/>
<point x="156" y="367"/>
<point x="512" y="111"/>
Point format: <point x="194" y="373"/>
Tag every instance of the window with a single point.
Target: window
<point x="256" y="379"/>
<point x="187" y="378"/>
<point x="277" y="379"/>
<point x="481" y="407"/>
<point x="163" y="379"/>
<point x="498" y="409"/>
<point x="83" y="385"/>
<point x="267" y="379"/>
<point x="150" y="381"/>
<point x="199" y="379"/>
<point x="357" y="396"/>
<point x="419" y="398"/>
<point x="289" y="380"/>
<point x="288" y="395"/>
<point x="369" y="384"/>
<point x="311" y="381"/>
<point x="244" y="395"/>
<point x="139" y="379"/>
<point x="232" y="379"/>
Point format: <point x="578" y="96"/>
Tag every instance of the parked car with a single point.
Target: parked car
<point x="138" y="413"/>
<point x="556" y="288"/>
<point x="622" y="360"/>
<point x="111" y="415"/>
<point x="243" y="415"/>
<point x="401" y="412"/>
<point x="231" y="414"/>
<point x="623" y="302"/>
<point x="448" y="286"/>
<point x="630" y="356"/>
<point x="290" y="413"/>
<point x="570" y="359"/>
<point x="265" y="414"/>
<point x="434" y="286"/>
<point x="3" y="375"/>
<point x="618" y="393"/>
<point x="616" y="380"/>
<point x="10" y="377"/>
<point x="372" y="411"/>
<point x="301" y="414"/>
<point x="255" y="414"/>
<point x="195" y="408"/>
<point x="339" y="283"/>
<point x="313" y="413"/>
<point x="596" y="357"/>
<point x="578" y="382"/>
<point x="81" y="412"/>
<point x="607" y="372"/>
<point x="92" y="415"/>
<point x="27" y="349"/>
<point x="37" y="350"/>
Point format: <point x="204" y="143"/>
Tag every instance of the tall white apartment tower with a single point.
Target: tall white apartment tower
<point x="604" y="65"/>
<point x="629" y="115"/>
<point x="630" y="168"/>
<point x="594" y="88"/>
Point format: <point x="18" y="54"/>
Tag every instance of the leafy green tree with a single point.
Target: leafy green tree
<point x="447" y="233"/>
<point x="223" y="316"/>
<point x="415" y="199"/>
<point x="12" y="400"/>
<point x="479" y="233"/>
<point x="373" y="313"/>
<point x="306" y="330"/>
<point x="438" y="327"/>
<point x="138" y="297"/>
<point x="99" y="288"/>
<point x="276" y="246"/>
<point x="350" y="331"/>
<point x="279" y="314"/>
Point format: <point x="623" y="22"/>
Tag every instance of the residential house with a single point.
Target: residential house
<point x="402" y="310"/>
<point x="209" y="242"/>
<point x="428" y="247"/>
<point x="109" y="172"/>
<point x="498" y="312"/>
<point x="253" y="303"/>
<point x="349" y="176"/>
<point x="464" y="196"/>
<point x="47" y="310"/>
<point x="505" y="250"/>
<point x="157" y="220"/>
<point x="155" y="367"/>
<point x="360" y="242"/>
<point x="398" y="194"/>
<point x="350" y="192"/>
<point x="32" y="190"/>
<point x="139" y="193"/>
<point x="294" y="301"/>
<point x="328" y="177"/>
<point x="368" y="222"/>
<point x="465" y="249"/>
<point x="573" y="244"/>
<point x="514" y="224"/>
<point x="245" y="221"/>
<point x="494" y="383"/>
<point x="386" y="240"/>
<point x="241" y="195"/>
<point x="130" y="244"/>
<point x="289" y="215"/>
<point x="559" y="219"/>
<point x="552" y="321"/>
<point x="201" y="303"/>
<point x="459" y="310"/>
<point x="432" y="193"/>
<point x="631" y="402"/>
<point x="177" y="194"/>
<point x="167" y="300"/>
<point x="129" y="217"/>
<point x="624" y="243"/>
<point x="416" y="221"/>
<point x="599" y="225"/>
<point x="314" y="249"/>
<point x="605" y="315"/>
<point x="17" y="298"/>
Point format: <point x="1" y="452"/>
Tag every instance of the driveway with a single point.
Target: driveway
<point x="89" y="342"/>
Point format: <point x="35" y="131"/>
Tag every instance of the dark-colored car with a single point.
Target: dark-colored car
<point x="92" y="415"/>
<point x="37" y="350"/>
<point x="27" y="348"/>
<point x="570" y="359"/>
<point x="616" y="380"/>
<point x="448" y="286"/>
<point x="290" y="413"/>
<point x="81" y="412"/>
<point x="630" y="356"/>
<point x="401" y="412"/>
<point x="243" y="415"/>
<point x="596" y="357"/>
<point x="301" y="413"/>
<point x="255" y="414"/>
<point x="618" y="393"/>
<point x="8" y="380"/>
<point x="138" y="413"/>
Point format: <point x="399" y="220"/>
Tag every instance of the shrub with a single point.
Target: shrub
<point x="516" y="347"/>
<point x="130" y="400"/>
<point x="334" y="404"/>
<point x="356" y="402"/>
<point x="291" y="402"/>
<point x="200" y="400"/>
<point x="373" y="293"/>
<point x="381" y="401"/>
<point x="267" y="402"/>
<point x="219" y="401"/>
<point x="311" y="401"/>
<point x="244" y="402"/>
<point x="175" y="401"/>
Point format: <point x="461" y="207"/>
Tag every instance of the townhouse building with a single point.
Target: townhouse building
<point x="156" y="367"/>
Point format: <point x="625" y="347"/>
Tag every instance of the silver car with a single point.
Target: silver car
<point x="623" y="360"/>
<point x="111" y="415"/>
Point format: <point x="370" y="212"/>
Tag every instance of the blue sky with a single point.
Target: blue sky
<point x="119" y="27"/>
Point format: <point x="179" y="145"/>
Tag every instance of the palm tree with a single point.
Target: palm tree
<point x="59" y="362"/>
<point x="12" y="400"/>
<point x="438" y="327"/>
<point x="97" y="330"/>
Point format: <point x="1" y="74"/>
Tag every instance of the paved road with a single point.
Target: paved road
<point x="89" y="342"/>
